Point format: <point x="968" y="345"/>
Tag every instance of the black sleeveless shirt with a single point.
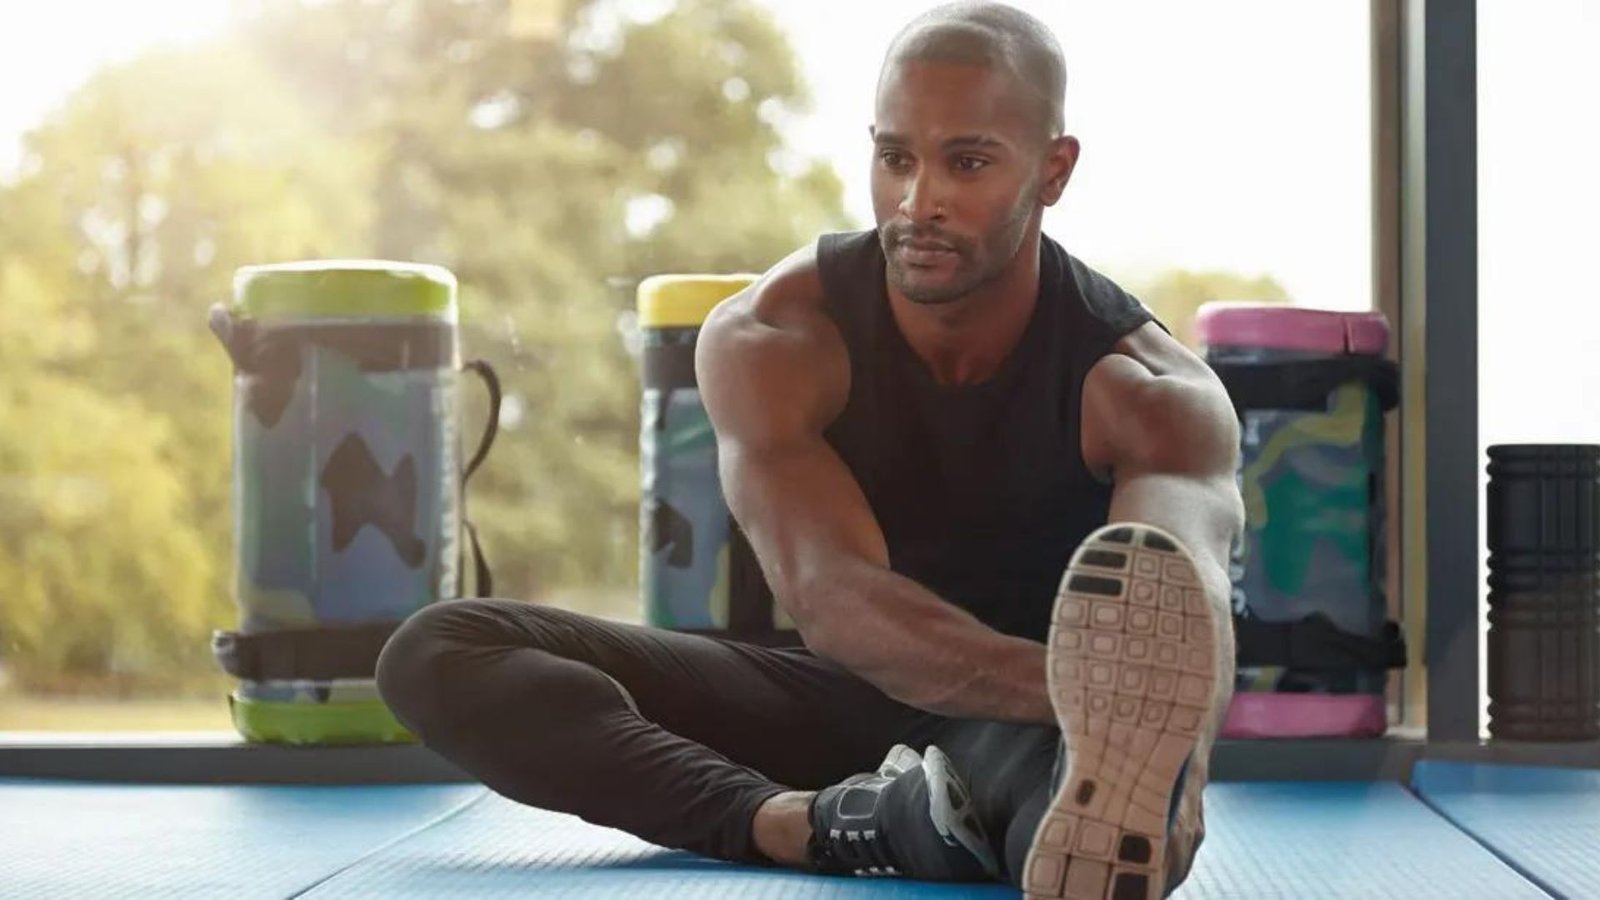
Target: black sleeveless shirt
<point x="981" y="490"/>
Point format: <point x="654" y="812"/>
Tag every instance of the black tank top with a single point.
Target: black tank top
<point x="981" y="490"/>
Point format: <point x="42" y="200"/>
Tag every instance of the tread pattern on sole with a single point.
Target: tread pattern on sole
<point x="1132" y="677"/>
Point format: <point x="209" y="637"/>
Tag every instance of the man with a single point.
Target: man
<point x="920" y="429"/>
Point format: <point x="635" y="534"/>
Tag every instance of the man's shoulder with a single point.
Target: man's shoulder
<point x="798" y="287"/>
<point x="769" y="355"/>
<point x="783" y="306"/>
<point x="791" y="289"/>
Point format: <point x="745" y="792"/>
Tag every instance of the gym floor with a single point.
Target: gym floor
<point x="1456" y="830"/>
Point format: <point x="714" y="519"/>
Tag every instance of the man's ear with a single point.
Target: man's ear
<point x="1058" y="164"/>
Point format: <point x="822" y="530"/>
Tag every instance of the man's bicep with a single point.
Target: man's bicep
<point x="774" y="372"/>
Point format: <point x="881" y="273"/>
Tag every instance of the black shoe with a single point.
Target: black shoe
<point x="912" y="818"/>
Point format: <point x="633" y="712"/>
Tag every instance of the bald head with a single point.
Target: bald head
<point x="994" y="36"/>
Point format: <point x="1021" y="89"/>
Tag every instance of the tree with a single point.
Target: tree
<point x="1176" y="295"/>
<point x="109" y="582"/>
<point x="132" y="218"/>
<point x="429" y="130"/>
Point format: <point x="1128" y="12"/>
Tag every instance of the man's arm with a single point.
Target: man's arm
<point x="773" y="373"/>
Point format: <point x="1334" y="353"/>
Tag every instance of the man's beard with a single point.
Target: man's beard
<point x="971" y="270"/>
<point x="967" y="275"/>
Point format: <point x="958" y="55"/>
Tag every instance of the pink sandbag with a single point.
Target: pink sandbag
<point x="1277" y="327"/>
<point x="1262" y="715"/>
<point x="1265" y="326"/>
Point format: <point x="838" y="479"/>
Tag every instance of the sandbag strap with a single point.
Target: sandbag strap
<point x="1315" y="642"/>
<point x="276" y="350"/>
<point x="326" y="652"/>
<point x="668" y="366"/>
<point x="1305" y="384"/>
<point x="483" y="582"/>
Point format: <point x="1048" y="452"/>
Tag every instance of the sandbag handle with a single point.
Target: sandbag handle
<point x="491" y="427"/>
<point x="483" y="581"/>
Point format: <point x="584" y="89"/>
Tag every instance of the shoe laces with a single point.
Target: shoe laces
<point x="863" y="852"/>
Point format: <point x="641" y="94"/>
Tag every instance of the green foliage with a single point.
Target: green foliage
<point x="107" y="578"/>
<point x="427" y="130"/>
<point x="1176" y="295"/>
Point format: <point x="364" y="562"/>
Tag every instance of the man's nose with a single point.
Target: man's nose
<point x="923" y="200"/>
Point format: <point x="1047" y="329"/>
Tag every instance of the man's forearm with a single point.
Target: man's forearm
<point x="924" y="651"/>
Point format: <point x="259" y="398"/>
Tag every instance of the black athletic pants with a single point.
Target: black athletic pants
<point x="700" y="734"/>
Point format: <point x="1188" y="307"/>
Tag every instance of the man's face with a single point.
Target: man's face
<point x="958" y="166"/>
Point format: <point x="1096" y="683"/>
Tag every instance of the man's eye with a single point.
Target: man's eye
<point x="893" y="159"/>
<point x="971" y="163"/>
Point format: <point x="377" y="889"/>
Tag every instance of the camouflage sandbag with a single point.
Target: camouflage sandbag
<point x="697" y="573"/>
<point x="1310" y="612"/>
<point x="348" y="485"/>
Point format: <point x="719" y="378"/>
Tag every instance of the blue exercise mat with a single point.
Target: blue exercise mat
<point x="69" y="839"/>
<point x="62" y="839"/>
<point x="1327" y="840"/>
<point x="497" y="848"/>
<point x="1543" y="821"/>
<point x="1299" y="841"/>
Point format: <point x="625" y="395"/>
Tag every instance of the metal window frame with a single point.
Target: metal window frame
<point x="1435" y="245"/>
<point x="1424" y="58"/>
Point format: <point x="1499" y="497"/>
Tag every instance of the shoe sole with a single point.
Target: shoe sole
<point x="1132" y="676"/>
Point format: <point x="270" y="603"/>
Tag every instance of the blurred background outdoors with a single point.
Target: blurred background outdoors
<point x="554" y="152"/>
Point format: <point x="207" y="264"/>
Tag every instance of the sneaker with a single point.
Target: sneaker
<point x="913" y="817"/>
<point x="1139" y="678"/>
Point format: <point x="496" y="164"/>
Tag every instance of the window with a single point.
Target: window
<point x="550" y="163"/>
<point x="1538" y="189"/>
